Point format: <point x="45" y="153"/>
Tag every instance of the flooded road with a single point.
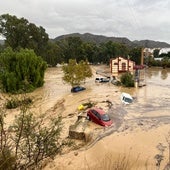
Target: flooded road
<point x="149" y="99"/>
<point x="140" y="126"/>
<point x="152" y="97"/>
<point x="156" y="93"/>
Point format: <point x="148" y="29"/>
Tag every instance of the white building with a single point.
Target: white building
<point x="164" y="50"/>
<point x="149" y="52"/>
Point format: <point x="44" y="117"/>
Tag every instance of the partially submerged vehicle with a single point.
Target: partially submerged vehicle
<point x="116" y="82"/>
<point x="126" y="98"/>
<point x="77" y="89"/>
<point x="99" y="116"/>
<point x="102" y="80"/>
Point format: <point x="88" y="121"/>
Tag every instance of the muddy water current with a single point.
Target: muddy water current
<point x="140" y="125"/>
<point x="148" y="100"/>
<point x="152" y="97"/>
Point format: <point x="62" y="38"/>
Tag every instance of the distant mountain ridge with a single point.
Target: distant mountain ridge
<point x="102" y="39"/>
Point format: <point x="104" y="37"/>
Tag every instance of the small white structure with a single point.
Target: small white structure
<point x="164" y="50"/>
<point x="158" y="59"/>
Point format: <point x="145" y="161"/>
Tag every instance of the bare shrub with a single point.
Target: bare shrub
<point x="7" y="158"/>
<point x="15" y="102"/>
<point x="29" y="141"/>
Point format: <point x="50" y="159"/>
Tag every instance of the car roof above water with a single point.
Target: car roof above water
<point x="127" y="95"/>
<point x="99" y="110"/>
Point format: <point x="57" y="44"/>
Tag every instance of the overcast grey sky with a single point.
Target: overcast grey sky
<point x="134" y="19"/>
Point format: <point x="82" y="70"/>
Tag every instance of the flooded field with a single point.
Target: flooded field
<point x="143" y="125"/>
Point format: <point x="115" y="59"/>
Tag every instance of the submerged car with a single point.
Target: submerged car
<point x="99" y="116"/>
<point x="102" y="80"/>
<point x="77" y="89"/>
<point x="126" y="98"/>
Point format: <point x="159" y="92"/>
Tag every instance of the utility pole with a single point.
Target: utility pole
<point x="142" y="55"/>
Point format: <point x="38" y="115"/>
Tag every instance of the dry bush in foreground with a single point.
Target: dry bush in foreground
<point x="28" y="140"/>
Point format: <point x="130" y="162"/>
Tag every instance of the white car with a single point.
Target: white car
<point x="102" y="80"/>
<point x="126" y="98"/>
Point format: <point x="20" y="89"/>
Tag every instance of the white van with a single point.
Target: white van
<point x="126" y="98"/>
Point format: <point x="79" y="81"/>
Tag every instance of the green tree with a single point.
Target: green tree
<point x="168" y="55"/>
<point x="54" y="54"/>
<point x="19" y="33"/>
<point x="162" y="55"/>
<point x="165" y="61"/>
<point x="156" y="53"/>
<point x="127" y="79"/>
<point x="149" y="60"/>
<point x="75" y="73"/>
<point x="107" y="51"/>
<point x="72" y="49"/>
<point x="110" y="50"/>
<point x="135" y="55"/>
<point x="1" y="47"/>
<point x="90" y="51"/>
<point x="21" y="71"/>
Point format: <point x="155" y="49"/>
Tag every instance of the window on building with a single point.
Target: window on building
<point x="123" y="66"/>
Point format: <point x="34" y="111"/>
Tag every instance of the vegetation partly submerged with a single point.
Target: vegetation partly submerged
<point x="23" y="60"/>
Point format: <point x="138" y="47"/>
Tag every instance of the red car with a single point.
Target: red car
<point x="99" y="116"/>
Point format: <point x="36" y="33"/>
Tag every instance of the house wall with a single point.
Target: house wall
<point x="114" y="66"/>
<point x="121" y="65"/>
<point x="131" y="65"/>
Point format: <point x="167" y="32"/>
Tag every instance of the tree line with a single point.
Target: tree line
<point x="27" y="42"/>
<point x="153" y="61"/>
<point x="19" y="33"/>
<point x="28" y="50"/>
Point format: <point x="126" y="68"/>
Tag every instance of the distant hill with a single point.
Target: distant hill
<point x="152" y="44"/>
<point x="102" y="39"/>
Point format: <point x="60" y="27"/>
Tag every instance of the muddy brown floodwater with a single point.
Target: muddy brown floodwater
<point x="144" y="124"/>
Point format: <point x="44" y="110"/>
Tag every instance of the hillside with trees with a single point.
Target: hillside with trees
<point x="97" y="39"/>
